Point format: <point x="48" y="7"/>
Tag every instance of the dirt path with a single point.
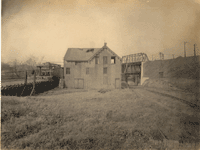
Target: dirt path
<point x="143" y="94"/>
<point x="191" y="99"/>
<point x="177" y="113"/>
<point x="164" y="101"/>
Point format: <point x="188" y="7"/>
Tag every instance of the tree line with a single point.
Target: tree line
<point x="16" y="69"/>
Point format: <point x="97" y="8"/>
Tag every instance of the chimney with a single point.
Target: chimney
<point x="105" y="44"/>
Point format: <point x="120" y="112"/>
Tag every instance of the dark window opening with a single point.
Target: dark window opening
<point x="105" y="70"/>
<point x="90" y="50"/>
<point x="87" y="70"/>
<point x="104" y="59"/>
<point x="112" y="60"/>
<point x="67" y="70"/>
<point x="96" y="60"/>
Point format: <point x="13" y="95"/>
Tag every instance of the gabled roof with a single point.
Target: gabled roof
<point x="80" y="54"/>
<point x="84" y="54"/>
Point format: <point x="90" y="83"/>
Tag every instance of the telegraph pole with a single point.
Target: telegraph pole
<point x="184" y="49"/>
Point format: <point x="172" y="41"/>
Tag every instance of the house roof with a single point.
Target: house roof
<point x="83" y="54"/>
<point x="80" y="54"/>
<point x="47" y="64"/>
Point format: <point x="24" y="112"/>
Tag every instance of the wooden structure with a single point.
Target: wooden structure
<point x="132" y="58"/>
<point x="50" y="69"/>
<point x="131" y="67"/>
<point x="93" y="68"/>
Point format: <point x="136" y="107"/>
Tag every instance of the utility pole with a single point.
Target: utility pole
<point x="194" y="51"/>
<point x="184" y="49"/>
<point x="173" y="56"/>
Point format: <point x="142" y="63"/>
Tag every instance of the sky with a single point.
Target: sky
<point x="47" y="28"/>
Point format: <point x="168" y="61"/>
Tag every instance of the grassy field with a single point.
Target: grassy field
<point x="81" y="119"/>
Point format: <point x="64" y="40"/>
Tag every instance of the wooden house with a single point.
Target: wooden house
<point x="92" y="68"/>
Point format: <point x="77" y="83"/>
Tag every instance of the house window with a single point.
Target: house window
<point x="105" y="70"/>
<point x="96" y="60"/>
<point x="104" y="59"/>
<point x="67" y="70"/>
<point x="112" y="60"/>
<point x="87" y="70"/>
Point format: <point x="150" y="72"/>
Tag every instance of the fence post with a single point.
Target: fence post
<point x="25" y="82"/>
<point x="34" y="78"/>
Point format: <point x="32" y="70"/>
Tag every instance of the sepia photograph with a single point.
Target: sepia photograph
<point x="100" y="74"/>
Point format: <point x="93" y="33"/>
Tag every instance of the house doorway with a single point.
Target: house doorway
<point x="78" y="83"/>
<point x="117" y="83"/>
<point x="105" y="76"/>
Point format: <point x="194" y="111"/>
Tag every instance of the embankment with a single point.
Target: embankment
<point x="181" y="73"/>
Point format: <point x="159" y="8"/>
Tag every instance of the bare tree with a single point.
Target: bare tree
<point x="18" y="68"/>
<point x="16" y="65"/>
<point x="32" y="62"/>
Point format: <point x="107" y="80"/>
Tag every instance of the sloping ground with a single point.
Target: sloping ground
<point x="183" y="89"/>
<point x="183" y="84"/>
<point x="117" y="119"/>
<point x="180" y="67"/>
<point x="159" y="83"/>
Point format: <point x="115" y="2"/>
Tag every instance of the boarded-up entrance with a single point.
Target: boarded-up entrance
<point x="105" y="79"/>
<point x="117" y="83"/>
<point x="78" y="83"/>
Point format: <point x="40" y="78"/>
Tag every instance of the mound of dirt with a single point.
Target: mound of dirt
<point x="183" y="84"/>
<point x="104" y="90"/>
<point x="124" y="85"/>
<point x="159" y="83"/>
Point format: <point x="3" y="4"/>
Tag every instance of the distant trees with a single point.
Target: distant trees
<point x="32" y="62"/>
<point x="16" y="69"/>
<point x="4" y="66"/>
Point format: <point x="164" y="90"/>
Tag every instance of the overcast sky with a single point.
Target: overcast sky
<point x="48" y="27"/>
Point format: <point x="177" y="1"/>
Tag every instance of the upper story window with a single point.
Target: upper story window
<point x="67" y="70"/>
<point x="105" y="60"/>
<point x="113" y="60"/>
<point x="97" y="60"/>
